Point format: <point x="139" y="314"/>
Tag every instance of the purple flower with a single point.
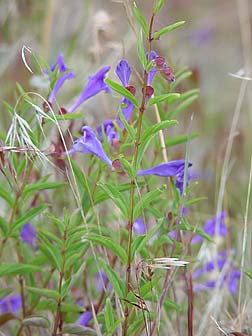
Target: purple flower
<point x="139" y="226"/>
<point x="180" y="180"/>
<point x="85" y="318"/>
<point x="95" y="85"/>
<point x="88" y="143"/>
<point x="168" y="169"/>
<point x="109" y="131"/>
<point x="11" y="304"/>
<point x="102" y="281"/>
<point x="228" y="275"/>
<point x="62" y="68"/>
<point x="211" y="226"/>
<point x="28" y="234"/>
<point x="153" y="70"/>
<point x="123" y="71"/>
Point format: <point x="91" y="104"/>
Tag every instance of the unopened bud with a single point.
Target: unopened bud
<point x="117" y="164"/>
<point x="159" y="60"/>
<point x="167" y="73"/>
<point x="47" y="106"/>
<point x="62" y="110"/>
<point x="149" y="91"/>
<point x="131" y="89"/>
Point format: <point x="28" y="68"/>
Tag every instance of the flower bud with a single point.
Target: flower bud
<point x="62" y="110"/>
<point x="160" y="61"/>
<point x="149" y="91"/>
<point x="131" y="89"/>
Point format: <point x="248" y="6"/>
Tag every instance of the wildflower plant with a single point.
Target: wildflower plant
<point x="86" y="216"/>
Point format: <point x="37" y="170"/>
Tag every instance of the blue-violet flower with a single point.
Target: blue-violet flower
<point x="62" y="68"/>
<point x="28" y="234"/>
<point x="95" y="85"/>
<point x="88" y="143"/>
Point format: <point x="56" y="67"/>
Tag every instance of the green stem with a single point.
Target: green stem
<point x="132" y="183"/>
<point x="58" y="322"/>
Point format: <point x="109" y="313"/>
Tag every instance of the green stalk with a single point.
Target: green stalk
<point x="132" y="182"/>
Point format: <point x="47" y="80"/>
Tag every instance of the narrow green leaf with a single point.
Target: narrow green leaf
<point x="43" y="292"/>
<point x="128" y="167"/>
<point x="108" y="315"/>
<point x="180" y="79"/>
<point x="101" y="196"/>
<point x="146" y="199"/>
<point x="122" y="90"/>
<point x="139" y="245"/>
<point x="169" y="98"/>
<point x="182" y="106"/>
<point x="248" y="273"/>
<point x="3" y="225"/>
<point x="141" y="51"/>
<point x="148" y="135"/>
<point x="27" y="217"/>
<point x="168" y="29"/>
<point x="70" y="308"/>
<point x="180" y="139"/>
<point x="194" y="201"/>
<point x="158" y="5"/>
<point x="131" y="131"/>
<point x="109" y="244"/>
<point x="140" y="19"/>
<point x="51" y="252"/>
<point x="75" y="329"/>
<point x="116" y="282"/>
<point x="42" y="186"/>
<point x="187" y="227"/>
<point x="68" y="116"/>
<point x="6" y="196"/>
<point x="17" y="269"/>
<point x="36" y="321"/>
<point x="116" y="197"/>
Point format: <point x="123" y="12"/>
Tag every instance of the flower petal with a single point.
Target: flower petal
<point x="85" y="318"/>
<point x="167" y="169"/>
<point x="89" y="143"/>
<point x="28" y="234"/>
<point x="139" y="226"/>
<point x="60" y="81"/>
<point x="153" y="70"/>
<point x="123" y="71"/>
<point x="109" y="131"/>
<point x="95" y="85"/>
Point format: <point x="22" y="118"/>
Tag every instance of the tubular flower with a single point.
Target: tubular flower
<point x="10" y="304"/>
<point x="153" y="70"/>
<point x="180" y="180"/>
<point x="28" y="234"/>
<point x="109" y="130"/>
<point x="85" y="318"/>
<point x="168" y="169"/>
<point x="62" y="69"/>
<point x="211" y="226"/>
<point x="95" y="85"/>
<point x="88" y="143"/>
<point x="123" y="71"/>
<point x="139" y="226"/>
<point x="227" y="275"/>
